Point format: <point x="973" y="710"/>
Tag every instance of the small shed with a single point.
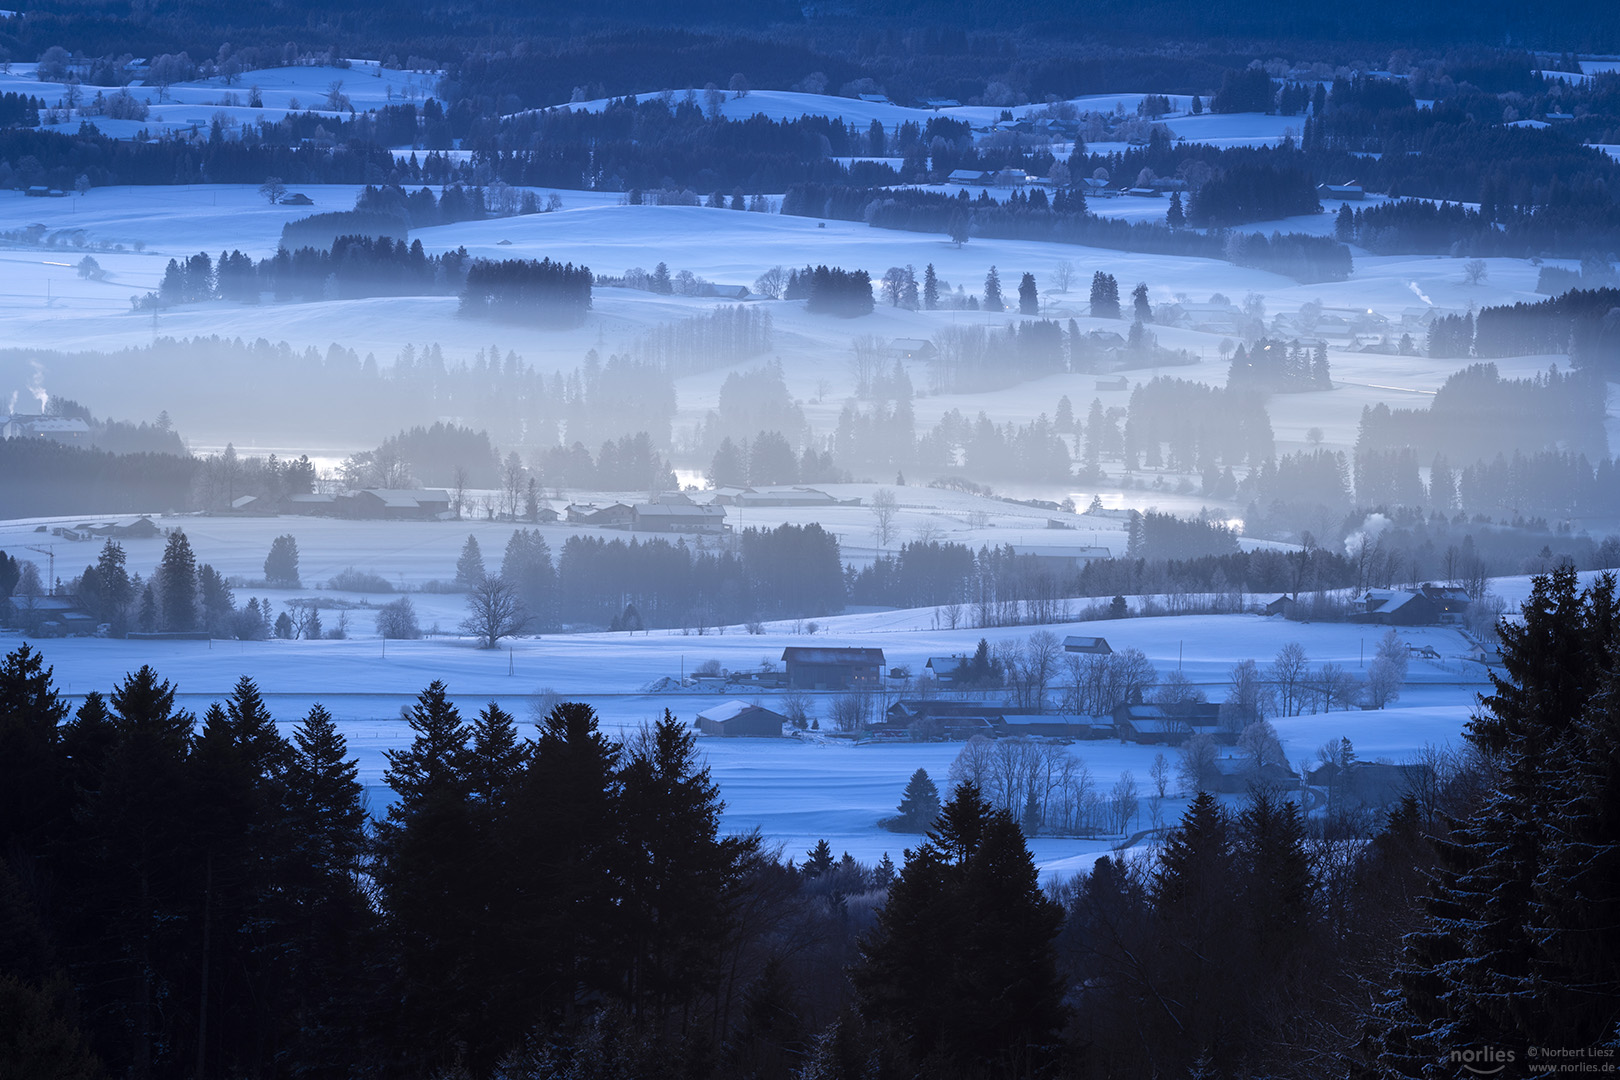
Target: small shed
<point x="738" y="718"/>
<point x="906" y="348"/>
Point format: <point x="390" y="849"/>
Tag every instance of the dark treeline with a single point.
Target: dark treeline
<point x="532" y="907"/>
<point x="976" y="357"/>
<point x="931" y="573"/>
<point x="831" y="291"/>
<point x="355" y="266"/>
<point x="1581" y="322"/>
<point x="42" y="477"/>
<point x="720" y="338"/>
<point x="442" y="454"/>
<point x="45" y="157"/>
<point x="630" y="463"/>
<point x="1066" y="220"/>
<point x="1476" y="414"/>
<point x="1280" y="367"/>
<point x="790" y="571"/>
<point x="655" y="143"/>
<point x="530" y="291"/>
<point x="227" y="387"/>
<point x="1187" y="427"/>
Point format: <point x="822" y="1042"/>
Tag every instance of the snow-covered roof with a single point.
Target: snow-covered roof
<point x="728" y="710"/>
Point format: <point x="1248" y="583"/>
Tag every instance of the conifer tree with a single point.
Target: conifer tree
<point x="1029" y="301"/>
<point x="566" y="820"/>
<point x="919" y="804"/>
<point x="328" y="920"/>
<point x="676" y="875"/>
<point x="470" y="564"/>
<point x="1494" y="964"/>
<point x="33" y="795"/>
<point x="992" y="292"/>
<point x="930" y="292"/>
<point x="961" y="962"/>
<point x="422" y="875"/>
<point x="177" y="573"/>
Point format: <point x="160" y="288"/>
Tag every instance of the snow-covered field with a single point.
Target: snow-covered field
<point x="1229" y="129"/>
<point x="795" y="791"/>
<point x="194" y="105"/>
<point x="45" y="304"/>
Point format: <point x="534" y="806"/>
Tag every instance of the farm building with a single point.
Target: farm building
<point x="1094" y="646"/>
<point x="64" y="429"/>
<point x="1397" y="607"/>
<point x="1063" y="560"/>
<point x="1370" y="783"/>
<point x="905" y="348"/>
<point x="309" y="504"/>
<point x="135" y="528"/>
<point x="814" y="668"/>
<point x="614" y="516"/>
<point x="677" y="513"/>
<point x="1235" y="775"/>
<point x="793" y="496"/>
<point x="738" y="718"/>
<point x="398" y="504"/>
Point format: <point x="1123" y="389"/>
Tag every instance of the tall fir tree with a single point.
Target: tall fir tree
<point x="960" y="969"/>
<point x="177" y="573"/>
<point x="992" y="292"/>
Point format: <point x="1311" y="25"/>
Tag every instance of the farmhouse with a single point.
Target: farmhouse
<point x="738" y="718"/>
<point x="1094" y="646"/>
<point x="813" y="668"/>
<point x="945" y="669"/>
<point x="1396" y="607"/>
<point x="1351" y="192"/>
<point x="309" y="504"/>
<point x="64" y="429"/>
<point x="614" y="516"/>
<point x="396" y="504"/>
<point x="1173" y="725"/>
<point x="135" y="528"/>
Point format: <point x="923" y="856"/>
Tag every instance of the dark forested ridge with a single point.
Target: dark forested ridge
<point x="569" y="904"/>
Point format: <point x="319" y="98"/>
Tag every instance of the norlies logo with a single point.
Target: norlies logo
<point x="1486" y="1061"/>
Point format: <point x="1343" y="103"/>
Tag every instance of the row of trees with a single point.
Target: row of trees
<point x="528" y="291"/>
<point x="789" y="571"/>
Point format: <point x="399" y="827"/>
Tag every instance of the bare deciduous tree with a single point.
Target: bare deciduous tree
<point x="884" y="508"/>
<point x="1287" y="676"/>
<point x="494" y="611"/>
<point x="1196" y="768"/>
